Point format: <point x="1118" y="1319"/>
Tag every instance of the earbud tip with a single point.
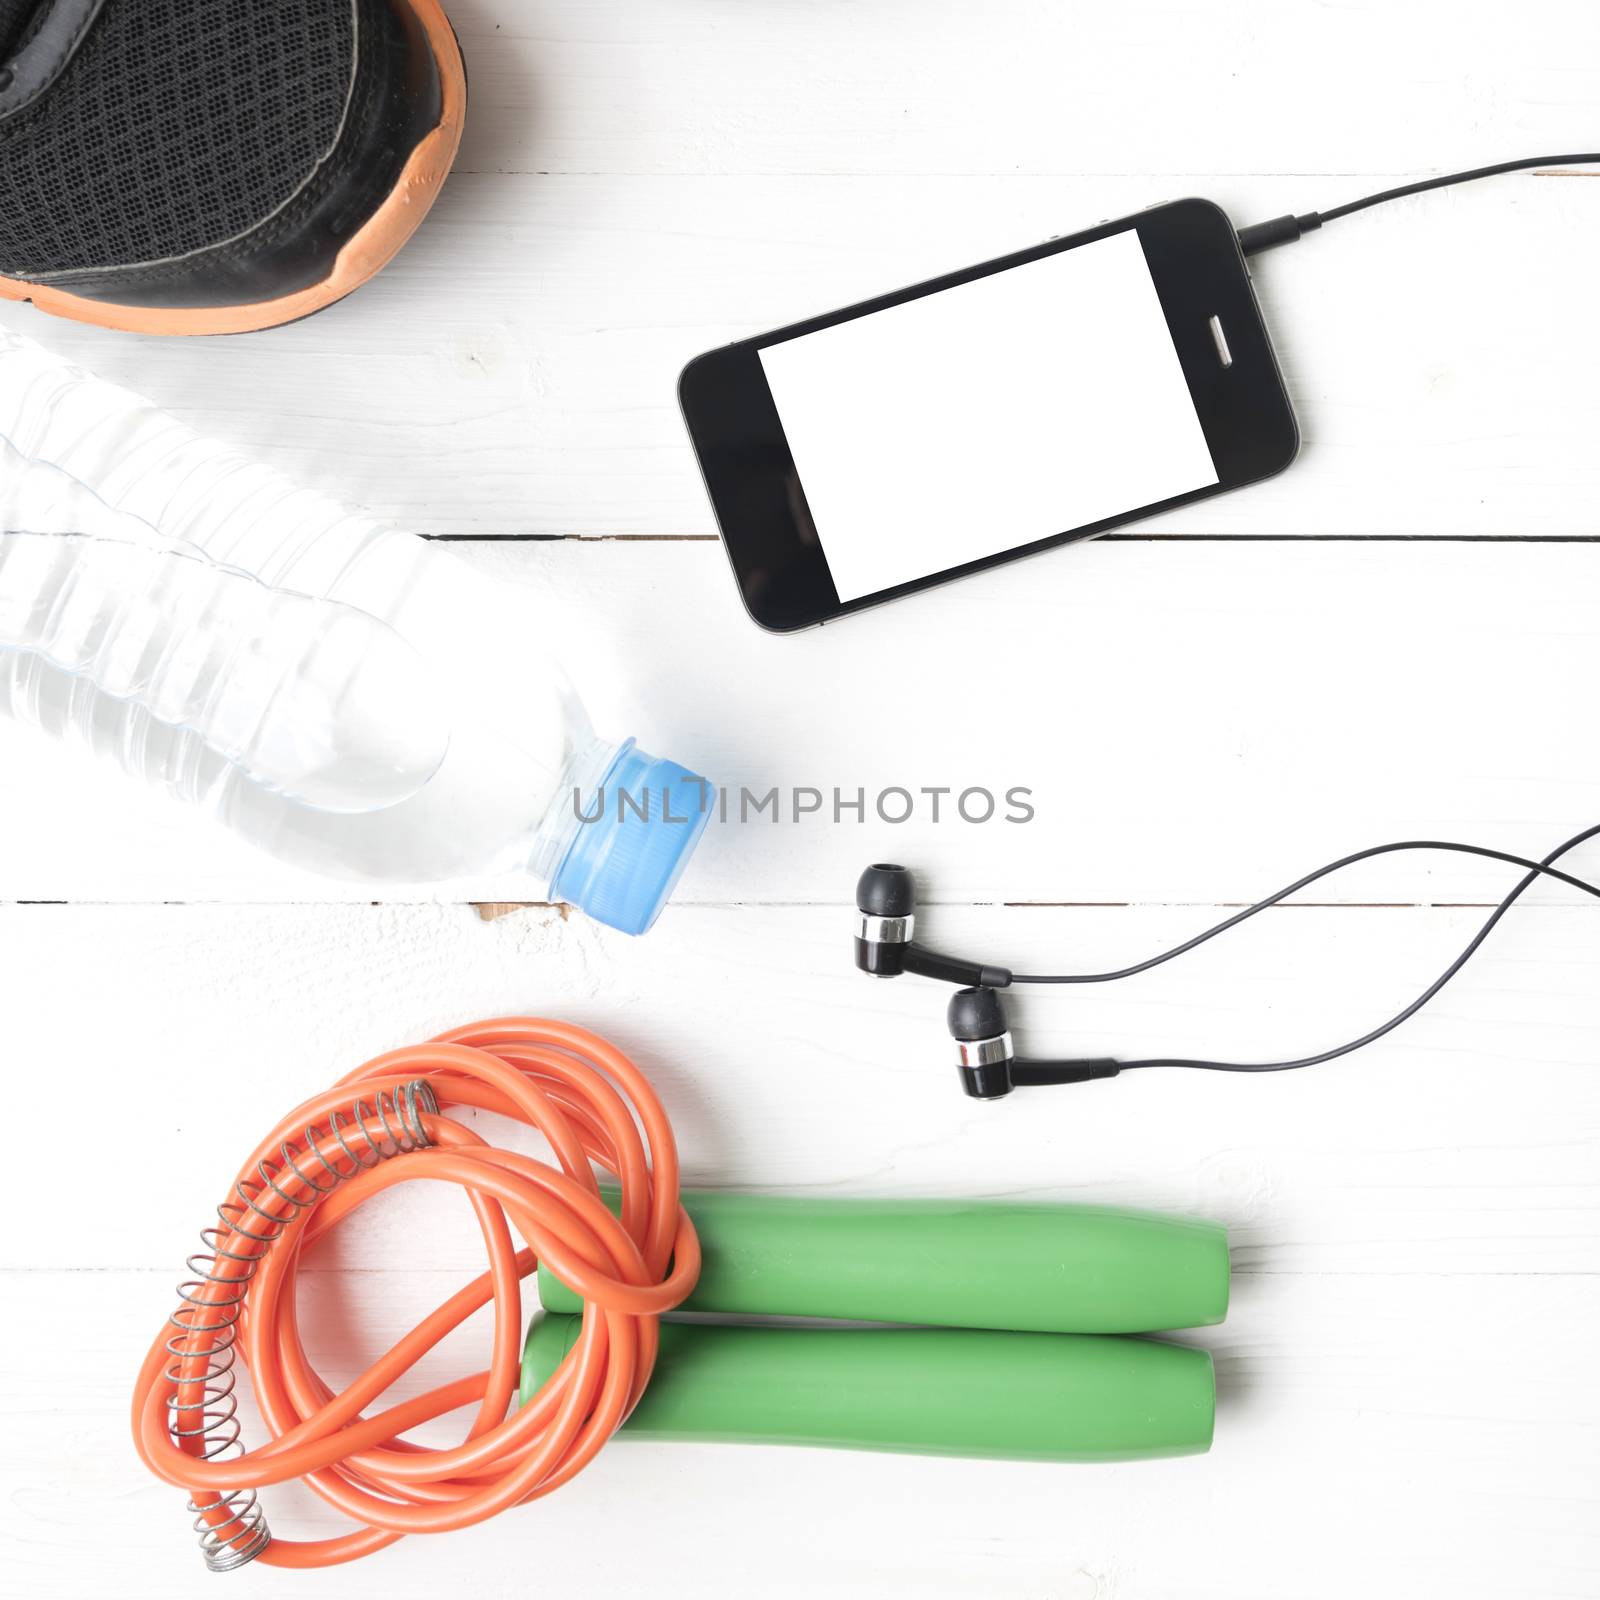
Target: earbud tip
<point x="975" y="1014"/>
<point x="886" y="890"/>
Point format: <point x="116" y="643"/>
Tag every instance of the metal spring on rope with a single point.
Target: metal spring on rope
<point x="203" y="1404"/>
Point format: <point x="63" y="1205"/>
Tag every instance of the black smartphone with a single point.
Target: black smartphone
<point x="988" y="414"/>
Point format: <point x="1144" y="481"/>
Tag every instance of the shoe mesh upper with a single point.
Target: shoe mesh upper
<point x="177" y="125"/>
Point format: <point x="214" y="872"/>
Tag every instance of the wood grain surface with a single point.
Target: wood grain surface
<point x="1399" y="637"/>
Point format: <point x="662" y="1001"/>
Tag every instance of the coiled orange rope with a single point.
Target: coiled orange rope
<point x="377" y="1127"/>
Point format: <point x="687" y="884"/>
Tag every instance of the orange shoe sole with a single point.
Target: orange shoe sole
<point x="367" y="252"/>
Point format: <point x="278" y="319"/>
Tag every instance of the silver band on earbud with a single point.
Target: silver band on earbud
<point x="885" y="930"/>
<point x="986" y="1052"/>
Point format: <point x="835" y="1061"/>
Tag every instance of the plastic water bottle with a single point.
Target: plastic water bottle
<point x="344" y="695"/>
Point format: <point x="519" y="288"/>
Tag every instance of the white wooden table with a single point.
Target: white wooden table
<point x="1397" y="637"/>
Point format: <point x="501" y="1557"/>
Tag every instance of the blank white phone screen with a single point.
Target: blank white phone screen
<point x="1027" y="403"/>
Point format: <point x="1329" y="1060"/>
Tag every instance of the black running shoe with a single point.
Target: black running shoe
<point x="213" y="166"/>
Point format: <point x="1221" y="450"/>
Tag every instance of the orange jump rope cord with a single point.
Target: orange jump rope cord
<point x="316" y="1167"/>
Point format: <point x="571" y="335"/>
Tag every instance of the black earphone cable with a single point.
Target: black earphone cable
<point x="1285" y="230"/>
<point x="1536" y="870"/>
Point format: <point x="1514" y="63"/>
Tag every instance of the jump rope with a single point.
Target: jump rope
<point x="388" y="1123"/>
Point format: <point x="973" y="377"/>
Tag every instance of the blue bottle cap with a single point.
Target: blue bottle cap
<point x="633" y="838"/>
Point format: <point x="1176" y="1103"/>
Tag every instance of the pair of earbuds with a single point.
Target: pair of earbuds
<point x="990" y="1067"/>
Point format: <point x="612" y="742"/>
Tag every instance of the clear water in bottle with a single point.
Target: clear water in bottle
<point x="343" y="695"/>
